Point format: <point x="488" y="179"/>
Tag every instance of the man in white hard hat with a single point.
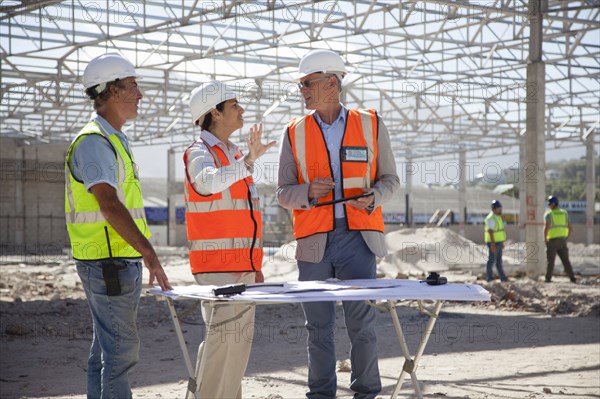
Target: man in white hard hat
<point x="335" y="154"/>
<point x="224" y="227"/>
<point x="107" y="225"/>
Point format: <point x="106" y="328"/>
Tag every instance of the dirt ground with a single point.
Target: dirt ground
<point x="534" y="340"/>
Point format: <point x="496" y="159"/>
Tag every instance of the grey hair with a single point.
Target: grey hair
<point x="102" y="97"/>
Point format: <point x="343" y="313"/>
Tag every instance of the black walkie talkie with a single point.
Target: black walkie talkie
<point x="435" y="279"/>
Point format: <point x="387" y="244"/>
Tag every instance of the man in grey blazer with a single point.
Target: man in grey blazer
<point x="330" y="154"/>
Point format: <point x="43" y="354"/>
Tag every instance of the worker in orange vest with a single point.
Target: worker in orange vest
<point x="333" y="154"/>
<point x="224" y="229"/>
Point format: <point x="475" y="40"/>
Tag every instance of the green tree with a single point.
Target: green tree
<point x="571" y="184"/>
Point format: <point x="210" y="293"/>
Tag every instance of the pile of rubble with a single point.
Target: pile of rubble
<point x="557" y="298"/>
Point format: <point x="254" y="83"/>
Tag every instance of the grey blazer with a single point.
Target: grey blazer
<point x="292" y="195"/>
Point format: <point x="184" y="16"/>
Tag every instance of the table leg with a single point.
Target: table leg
<point x="186" y="356"/>
<point x="410" y="365"/>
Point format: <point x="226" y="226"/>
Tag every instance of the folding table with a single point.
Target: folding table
<point x="389" y="291"/>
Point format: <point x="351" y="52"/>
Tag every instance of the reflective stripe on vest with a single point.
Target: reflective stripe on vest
<point x="559" y="223"/>
<point x="499" y="233"/>
<point x="224" y="229"/>
<point x="95" y="217"/>
<point x="91" y="236"/>
<point x="312" y="161"/>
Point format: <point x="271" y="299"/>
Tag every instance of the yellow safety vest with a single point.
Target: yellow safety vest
<point x="499" y="233"/>
<point x="92" y="237"/>
<point x="559" y="223"/>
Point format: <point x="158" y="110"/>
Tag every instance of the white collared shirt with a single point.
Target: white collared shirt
<point x="202" y="170"/>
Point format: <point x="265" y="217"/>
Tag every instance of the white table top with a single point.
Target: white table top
<point x="348" y="290"/>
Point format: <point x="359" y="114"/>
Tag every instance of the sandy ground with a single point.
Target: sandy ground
<point x="534" y="340"/>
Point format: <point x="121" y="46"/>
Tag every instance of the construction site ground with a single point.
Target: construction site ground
<point x="533" y="340"/>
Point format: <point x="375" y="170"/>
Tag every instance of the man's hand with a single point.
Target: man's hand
<point x="363" y="202"/>
<point x="320" y="187"/>
<point x="256" y="148"/>
<point x="156" y="272"/>
<point x="259" y="277"/>
<point x="119" y="218"/>
<point x="493" y="247"/>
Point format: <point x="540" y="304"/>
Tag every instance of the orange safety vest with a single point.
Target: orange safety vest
<point x="312" y="161"/>
<point x="224" y="229"/>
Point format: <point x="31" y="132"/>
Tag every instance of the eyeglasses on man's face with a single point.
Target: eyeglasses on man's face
<point x="309" y="82"/>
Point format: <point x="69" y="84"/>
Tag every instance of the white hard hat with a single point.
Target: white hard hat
<point x="207" y="96"/>
<point x="107" y="68"/>
<point x="325" y="61"/>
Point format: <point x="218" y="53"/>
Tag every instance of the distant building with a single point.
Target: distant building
<point x="277" y="221"/>
<point x="428" y="200"/>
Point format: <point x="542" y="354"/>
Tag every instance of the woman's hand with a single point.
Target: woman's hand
<point x="256" y="148"/>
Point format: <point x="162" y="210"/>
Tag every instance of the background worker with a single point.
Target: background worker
<point x="336" y="152"/>
<point x="494" y="238"/>
<point x="107" y="225"/>
<point x="224" y="229"/>
<point x="557" y="230"/>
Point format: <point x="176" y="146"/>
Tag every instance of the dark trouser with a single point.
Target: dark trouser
<point x="558" y="246"/>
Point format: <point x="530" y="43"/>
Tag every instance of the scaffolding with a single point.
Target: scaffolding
<point x="446" y="76"/>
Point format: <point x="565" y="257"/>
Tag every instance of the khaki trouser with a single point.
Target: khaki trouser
<point x="228" y="341"/>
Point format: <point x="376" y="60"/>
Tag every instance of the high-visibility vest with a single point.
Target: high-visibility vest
<point x="559" y="223"/>
<point x="499" y="233"/>
<point x="92" y="237"/>
<point x="224" y="229"/>
<point x="312" y="161"/>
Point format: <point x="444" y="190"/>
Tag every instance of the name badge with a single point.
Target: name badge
<point x="355" y="154"/>
<point x="253" y="191"/>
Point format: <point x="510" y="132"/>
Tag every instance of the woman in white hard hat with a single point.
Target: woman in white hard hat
<point x="224" y="228"/>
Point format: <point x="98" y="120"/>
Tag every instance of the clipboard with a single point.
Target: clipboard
<point x="335" y="201"/>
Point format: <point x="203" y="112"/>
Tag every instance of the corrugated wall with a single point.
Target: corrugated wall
<point x="32" y="197"/>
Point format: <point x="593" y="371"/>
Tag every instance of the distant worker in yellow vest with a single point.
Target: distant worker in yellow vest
<point x="494" y="239"/>
<point x="336" y="153"/>
<point x="557" y="230"/>
<point x="107" y="225"/>
<point x="224" y="229"/>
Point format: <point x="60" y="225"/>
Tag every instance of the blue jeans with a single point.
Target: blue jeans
<point x="497" y="259"/>
<point x="347" y="257"/>
<point x="115" y="344"/>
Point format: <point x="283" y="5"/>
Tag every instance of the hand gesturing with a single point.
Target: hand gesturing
<point x="256" y="148"/>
